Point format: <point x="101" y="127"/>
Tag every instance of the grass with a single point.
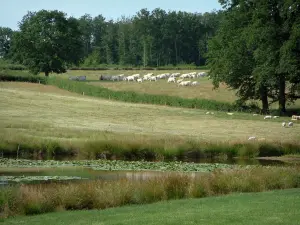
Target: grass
<point x="29" y="199"/>
<point x="267" y="208"/>
<point x="161" y="87"/>
<point x="203" y="91"/>
<point x="45" y="117"/>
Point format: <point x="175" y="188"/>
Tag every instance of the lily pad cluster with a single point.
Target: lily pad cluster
<point x="30" y="179"/>
<point x="116" y="165"/>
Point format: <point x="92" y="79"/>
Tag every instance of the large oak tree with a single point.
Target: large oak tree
<point x="48" y="42"/>
<point x="256" y="50"/>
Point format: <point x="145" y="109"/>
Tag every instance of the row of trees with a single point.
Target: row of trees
<point x="154" y="38"/>
<point x="257" y="50"/>
<point x="252" y="46"/>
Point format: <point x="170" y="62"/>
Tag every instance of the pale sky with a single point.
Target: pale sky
<point x="12" y="11"/>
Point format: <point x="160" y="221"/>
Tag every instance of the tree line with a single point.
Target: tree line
<point x="252" y="46"/>
<point x="148" y="39"/>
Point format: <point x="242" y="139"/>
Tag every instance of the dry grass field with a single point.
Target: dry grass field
<point x="161" y="87"/>
<point x="33" y="110"/>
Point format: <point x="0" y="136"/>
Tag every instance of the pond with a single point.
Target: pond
<point x="48" y="175"/>
<point x="45" y="171"/>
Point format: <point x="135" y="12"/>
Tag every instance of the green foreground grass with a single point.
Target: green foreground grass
<point x="267" y="208"/>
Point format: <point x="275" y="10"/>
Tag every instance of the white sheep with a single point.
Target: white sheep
<point x="195" y="83"/>
<point x="139" y="80"/>
<point x="171" y="79"/>
<point x="251" y="138"/>
<point x="267" y="117"/>
<point x="290" y="124"/>
<point x="179" y="81"/>
<point x="230" y="114"/>
<point x="153" y="78"/>
<point x="275" y="117"/>
<point x="130" y="78"/>
<point x="185" y="83"/>
<point x="283" y="124"/>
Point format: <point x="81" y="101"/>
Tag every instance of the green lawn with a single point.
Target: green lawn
<point x="273" y="208"/>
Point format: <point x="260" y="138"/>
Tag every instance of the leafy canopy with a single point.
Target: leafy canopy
<point x="48" y="42"/>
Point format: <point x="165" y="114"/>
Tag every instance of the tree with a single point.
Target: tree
<point x="86" y="27"/>
<point x="256" y="50"/>
<point x="48" y="41"/>
<point x="5" y="40"/>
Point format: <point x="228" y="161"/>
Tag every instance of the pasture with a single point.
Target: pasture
<point x="202" y="91"/>
<point x="266" y="208"/>
<point x="34" y="110"/>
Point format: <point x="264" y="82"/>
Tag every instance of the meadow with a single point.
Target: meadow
<point x="267" y="208"/>
<point x="55" y="118"/>
<point x="161" y="87"/>
<point x="33" y="114"/>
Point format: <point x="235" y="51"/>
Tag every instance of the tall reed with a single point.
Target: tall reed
<point x="42" y="198"/>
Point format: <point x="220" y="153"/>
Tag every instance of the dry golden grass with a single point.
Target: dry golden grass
<point x="34" y="110"/>
<point x="161" y="87"/>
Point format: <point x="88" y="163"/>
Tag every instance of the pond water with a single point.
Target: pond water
<point x="11" y="175"/>
<point x="74" y="173"/>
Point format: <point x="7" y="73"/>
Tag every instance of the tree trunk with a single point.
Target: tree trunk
<point x="282" y="98"/>
<point x="47" y="73"/>
<point x="264" y="100"/>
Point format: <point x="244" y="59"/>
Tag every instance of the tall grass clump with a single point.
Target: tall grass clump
<point x="41" y="198"/>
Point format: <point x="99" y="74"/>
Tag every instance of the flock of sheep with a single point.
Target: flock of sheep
<point x="170" y="77"/>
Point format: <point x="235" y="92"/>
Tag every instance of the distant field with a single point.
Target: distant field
<point x="266" y="208"/>
<point x="34" y="110"/>
<point x="161" y="87"/>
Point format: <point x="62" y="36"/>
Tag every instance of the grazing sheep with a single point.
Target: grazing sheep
<point x="290" y="124"/>
<point x="78" y="78"/>
<point x="81" y="78"/>
<point x="185" y="83"/>
<point x="230" y="114"/>
<point x="275" y="117"/>
<point x="283" y="124"/>
<point x="267" y="117"/>
<point x="255" y="114"/>
<point x="295" y="117"/>
<point x="171" y="79"/>
<point x="251" y="138"/>
<point x="153" y="79"/>
<point x="140" y="80"/>
<point x="130" y="78"/>
<point x="179" y="81"/>
<point x="195" y="83"/>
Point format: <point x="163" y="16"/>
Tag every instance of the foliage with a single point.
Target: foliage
<point x="47" y="42"/>
<point x="5" y="41"/>
<point x="255" y="51"/>
<point x="9" y="65"/>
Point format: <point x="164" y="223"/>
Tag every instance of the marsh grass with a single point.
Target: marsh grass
<point x="36" y="199"/>
<point x="151" y="150"/>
